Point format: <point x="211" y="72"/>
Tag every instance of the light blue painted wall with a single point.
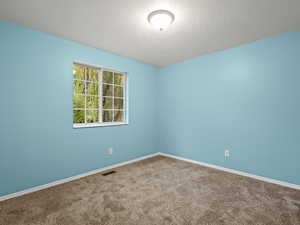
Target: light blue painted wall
<point x="37" y="142"/>
<point x="245" y="99"/>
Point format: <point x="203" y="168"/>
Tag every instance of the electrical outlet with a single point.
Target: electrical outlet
<point x="110" y="151"/>
<point x="227" y="153"/>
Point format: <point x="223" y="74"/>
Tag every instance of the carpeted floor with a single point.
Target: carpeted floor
<point x="157" y="191"/>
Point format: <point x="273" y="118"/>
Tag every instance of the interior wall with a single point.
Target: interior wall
<point x="38" y="144"/>
<point x="244" y="99"/>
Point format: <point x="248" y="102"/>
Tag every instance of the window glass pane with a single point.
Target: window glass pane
<point x="119" y="79"/>
<point x="78" y="87"/>
<point x="118" y="91"/>
<point x="107" y="103"/>
<point x="78" y="72"/>
<point x="118" y="116"/>
<point x="78" y="116"/>
<point x="92" y="102"/>
<point x="118" y="103"/>
<point x="92" y="116"/>
<point x="86" y="95"/>
<point x="79" y="101"/>
<point x="92" y="75"/>
<point x="107" y="90"/>
<point x="107" y="77"/>
<point x="107" y="116"/>
<point x="92" y="88"/>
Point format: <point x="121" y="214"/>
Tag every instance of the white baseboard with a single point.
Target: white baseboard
<point x="265" y="179"/>
<point x="44" y="186"/>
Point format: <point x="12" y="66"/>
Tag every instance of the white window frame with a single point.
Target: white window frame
<point x="100" y="70"/>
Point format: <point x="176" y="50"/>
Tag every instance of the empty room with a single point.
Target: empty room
<point x="162" y="112"/>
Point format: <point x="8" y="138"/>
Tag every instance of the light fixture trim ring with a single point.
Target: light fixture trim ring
<point x="161" y="11"/>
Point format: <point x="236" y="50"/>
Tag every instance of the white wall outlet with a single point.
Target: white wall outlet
<point x="227" y="153"/>
<point x="110" y="151"/>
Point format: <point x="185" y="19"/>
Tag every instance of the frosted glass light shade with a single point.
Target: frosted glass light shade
<point x="161" y="19"/>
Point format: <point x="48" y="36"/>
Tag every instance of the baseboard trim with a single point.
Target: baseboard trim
<point x="58" y="182"/>
<point x="76" y="177"/>
<point x="265" y="179"/>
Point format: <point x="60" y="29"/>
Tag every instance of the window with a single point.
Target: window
<point x="98" y="96"/>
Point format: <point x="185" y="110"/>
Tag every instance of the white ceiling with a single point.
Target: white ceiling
<point x="120" y="26"/>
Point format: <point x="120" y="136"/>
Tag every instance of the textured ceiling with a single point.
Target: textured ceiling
<point x="120" y="26"/>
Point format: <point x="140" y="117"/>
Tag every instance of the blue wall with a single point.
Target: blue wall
<point x="245" y="99"/>
<point x="37" y="142"/>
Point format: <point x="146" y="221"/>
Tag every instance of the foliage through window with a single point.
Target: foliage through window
<point x="98" y="96"/>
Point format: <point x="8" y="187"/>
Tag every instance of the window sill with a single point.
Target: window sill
<point x="86" y="125"/>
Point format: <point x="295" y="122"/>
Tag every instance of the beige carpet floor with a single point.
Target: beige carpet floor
<point x="157" y="191"/>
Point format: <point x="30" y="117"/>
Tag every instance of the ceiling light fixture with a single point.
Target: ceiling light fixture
<point x="161" y="19"/>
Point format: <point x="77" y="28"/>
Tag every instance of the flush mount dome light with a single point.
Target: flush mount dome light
<point x="161" y="19"/>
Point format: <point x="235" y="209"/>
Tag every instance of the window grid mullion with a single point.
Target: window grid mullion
<point x="88" y="81"/>
<point x="114" y="84"/>
<point x="88" y="95"/>
<point x="85" y="98"/>
<point x="113" y="98"/>
<point x="124" y="97"/>
<point x="100" y="78"/>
